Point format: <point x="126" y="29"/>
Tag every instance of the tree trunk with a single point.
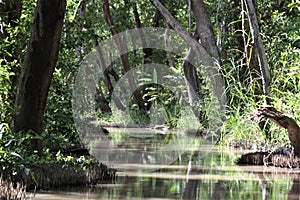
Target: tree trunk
<point x="205" y="32"/>
<point x="157" y="16"/>
<point x="38" y="67"/>
<point x="14" y="9"/>
<point x="124" y="56"/>
<point x="107" y="79"/>
<point x="212" y="68"/>
<point x="253" y="69"/>
<point x="204" y="29"/>
<point x="258" y="48"/>
<point x="169" y="51"/>
<point x="281" y="120"/>
<point x="81" y="11"/>
<point x="191" y="79"/>
<point x="147" y="51"/>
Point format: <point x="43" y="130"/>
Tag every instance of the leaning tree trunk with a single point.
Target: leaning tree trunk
<point x="38" y="67"/>
<point x="258" y="48"/>
<point x="212" y="67"/>
<point x="124" y="56"/>
<point x="205" y="32"/>
<point x="251" y="58"/>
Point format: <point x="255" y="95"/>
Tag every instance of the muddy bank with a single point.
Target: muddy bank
<point x="45" y="176"/>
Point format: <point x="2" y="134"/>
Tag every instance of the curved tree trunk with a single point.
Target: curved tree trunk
<point x="284" y="121"/>
<point x="38" y="67"/>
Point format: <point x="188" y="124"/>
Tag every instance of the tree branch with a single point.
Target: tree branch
<point x="210" y="64"/>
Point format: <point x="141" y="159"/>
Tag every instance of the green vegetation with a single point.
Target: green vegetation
<point x="280" y="32"/>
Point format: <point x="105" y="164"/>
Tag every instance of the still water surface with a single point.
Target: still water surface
<point x="216" y="182"/>
<point x="196" y="175"/>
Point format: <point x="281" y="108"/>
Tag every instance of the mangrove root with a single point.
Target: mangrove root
<point x="277" y="159"/>
<point x="283" y="157"/>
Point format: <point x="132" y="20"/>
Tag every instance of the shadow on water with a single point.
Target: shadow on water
<point x="194" y="175"/>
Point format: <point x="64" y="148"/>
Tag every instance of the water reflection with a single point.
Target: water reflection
<point x="201" y="174"/>
<point x="124" y="149"/>
<point x="199" y="182"/>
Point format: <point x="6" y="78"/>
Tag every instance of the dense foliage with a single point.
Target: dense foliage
<point x="279" y="26"/>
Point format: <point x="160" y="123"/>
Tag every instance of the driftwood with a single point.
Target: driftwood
<point x="283" y="157"/>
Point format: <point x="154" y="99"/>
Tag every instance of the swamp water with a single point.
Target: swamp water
<point x="170" y="166"/>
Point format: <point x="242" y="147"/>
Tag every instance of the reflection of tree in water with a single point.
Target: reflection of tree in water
<point x="262" y="188"/>
<point x="150" y="188"/>
<point x="141" y="142"/>
<point x="237" y="184"/>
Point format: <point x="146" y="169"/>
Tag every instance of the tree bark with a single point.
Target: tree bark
<point x="124" y="55"/>
<point x="205" y="32"/>
<point x="14" y="9"/>
<point x="204" y="29"/>
<point x="281" y="120"/>
<point x="157" y="16"/>
<point x="253" y="69"/>
<point x="107" y="79"/>
<point x="167" y="44"/>
<point x="81" y="11"/>
<point x="147" y="51"/>
<point x="258" y="48"/>
<point x="212" y="68"/>
<point x="38" y="66"/>
<point x="191" y="79"/>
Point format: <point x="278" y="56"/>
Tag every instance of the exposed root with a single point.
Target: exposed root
<point x="276" y="159"/>
<point x="282" y="120"/>
<point x="10" y="191"/>
<point x="284" y="157"/>
<point x="59" y="174"/>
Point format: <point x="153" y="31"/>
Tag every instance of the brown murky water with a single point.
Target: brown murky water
<point x="197" y="174"/>
<point x="250" y="182"/>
